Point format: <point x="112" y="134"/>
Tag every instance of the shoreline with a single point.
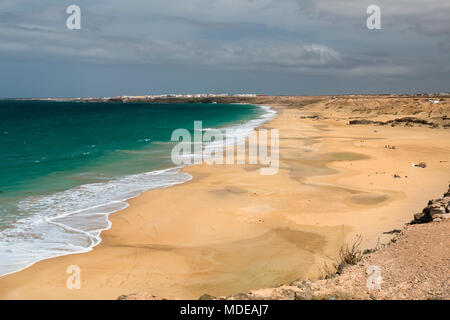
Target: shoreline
<point x="267" y="114"/>
<point x="106" y="228"/>
<point x="241" y="221"/>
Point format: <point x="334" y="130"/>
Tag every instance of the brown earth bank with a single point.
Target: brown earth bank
<point x="414" y="265"/>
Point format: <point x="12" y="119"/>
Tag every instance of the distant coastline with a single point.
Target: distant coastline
<point x="229" y="98"/>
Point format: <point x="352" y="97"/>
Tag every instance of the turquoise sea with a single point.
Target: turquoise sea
<point x="65" y="166"/>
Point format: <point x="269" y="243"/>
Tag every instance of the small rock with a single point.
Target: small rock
<point x="304" y="294"/>
<point x="286" y="294"/>
<point x="437" y="212"/>
<point x="393" y="231"/>
<point x="207" y="297"/>
<point x="361" y="121"/>
<point x="301" y="283"/>
<point x="138" y="296"/>
<point x="241" y="296"/>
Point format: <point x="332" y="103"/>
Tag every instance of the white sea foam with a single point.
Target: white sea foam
<point x="72" y="221"/>
<point x="236" y="134"/>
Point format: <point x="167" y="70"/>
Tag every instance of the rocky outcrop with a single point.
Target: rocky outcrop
<point x="436" y="210"/>
<point x="363" y="121"/>
<point x="297" y="290"/>
<point x="405" y="121"/>
<point x="138" y="296"/>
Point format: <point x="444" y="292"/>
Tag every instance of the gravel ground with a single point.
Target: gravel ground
<point x="416" y="265"/>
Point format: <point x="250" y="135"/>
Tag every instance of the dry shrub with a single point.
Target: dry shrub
<point x="351" y="255"/>
<point x="348" y="255"/>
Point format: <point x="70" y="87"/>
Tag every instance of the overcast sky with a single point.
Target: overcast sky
<point x="263" y="46"/>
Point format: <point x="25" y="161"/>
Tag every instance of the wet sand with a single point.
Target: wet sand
<point x="230" y="229"/>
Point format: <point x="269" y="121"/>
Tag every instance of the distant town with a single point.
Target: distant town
<point x="188" y="96"/>
<point x="433" y="98"/>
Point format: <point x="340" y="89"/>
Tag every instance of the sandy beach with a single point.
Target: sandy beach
<point x="231" y="229"/>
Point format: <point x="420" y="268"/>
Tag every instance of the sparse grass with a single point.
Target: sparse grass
<point x="348" y="255"/>
<point x="351" y="255"/>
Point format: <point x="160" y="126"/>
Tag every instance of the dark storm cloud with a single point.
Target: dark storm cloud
<point x="323" y="38"/>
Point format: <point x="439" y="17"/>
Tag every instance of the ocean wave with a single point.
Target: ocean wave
<point x="233" y="135"/>
<point x="71" y="221"/>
